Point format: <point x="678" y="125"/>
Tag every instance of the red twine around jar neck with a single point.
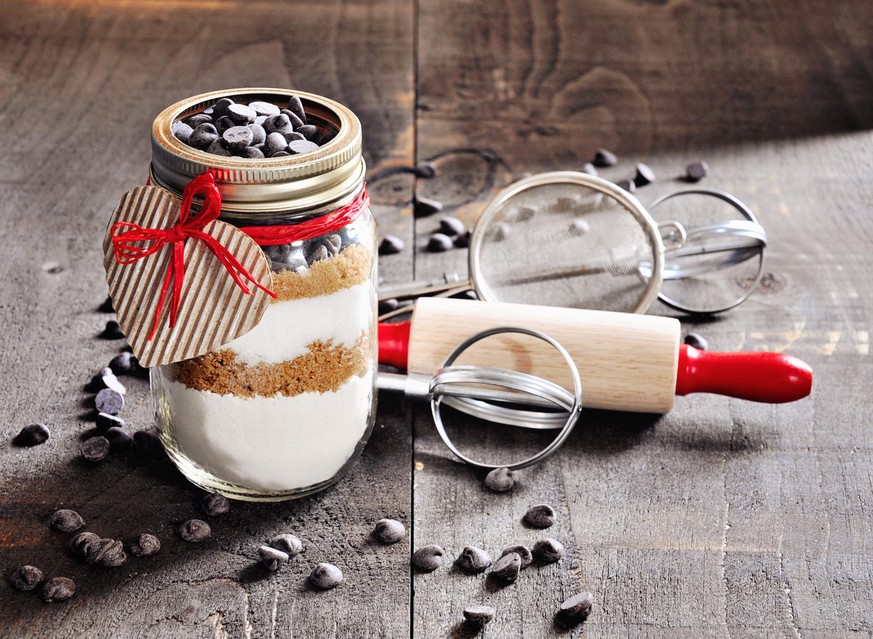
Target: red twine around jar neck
<point x="132" y="242"/>
<point x="322" y="225"/>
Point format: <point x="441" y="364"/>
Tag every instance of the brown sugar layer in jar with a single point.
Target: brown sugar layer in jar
<point x="324" y="367"/>
<point x="349" y="268"/>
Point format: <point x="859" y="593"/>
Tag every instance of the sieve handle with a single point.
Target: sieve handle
<point x="773" y="378"/>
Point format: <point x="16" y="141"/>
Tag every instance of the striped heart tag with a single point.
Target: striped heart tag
<point x="213" y="308"/>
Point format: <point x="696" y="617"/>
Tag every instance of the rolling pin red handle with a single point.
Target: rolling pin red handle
<point x="772" y="378"/>
<point x="394" y="344"/>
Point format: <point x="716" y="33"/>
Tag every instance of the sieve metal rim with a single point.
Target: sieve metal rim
<point x="746" y="212"/>
<point x="605" y="187"/>
<point x="560" y="438"/>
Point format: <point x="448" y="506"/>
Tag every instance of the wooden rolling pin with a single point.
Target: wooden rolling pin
<point x="628" y="362"/>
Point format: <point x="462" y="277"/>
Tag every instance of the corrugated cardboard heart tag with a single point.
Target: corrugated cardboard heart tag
<point x="212" y="308"/>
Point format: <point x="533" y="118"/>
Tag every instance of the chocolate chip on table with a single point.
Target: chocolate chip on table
<point x="451" y="226"/>
<point x="499" y="480"/>
<point x="66" y="520"/>
<point x="696" y="171"/>
<point x="645" y="175"/>
<point x="114" y="555"/>
<point x="425" y="206"/>
<point x="123" y="364"/>
<point x="144" y="545"/>
<point x="26" y="577"/>
<point x="120" y="439"/>
<point x="440" y="242"/>
<point x="270" y="558"/>
<point x="287" y="543"/>
<point x="428" y="558"/>
<point x="426" y="169"/>
<point x="112" y="330"/>
<point x="473" y="559"/>
<point x="523" y="553"/>
<point x="386" y="306"/>
<point x="507" y="567"/>
<point x="106" y="306"/>
<point x="109" y="401"/>
<point x="236" y="138"/>
<point x="58" y="589"/>
<point x="577" y="608"/>
<point x="589" y="168"/>
<point x="301" y="146"/>
<point x="696" y="340"/>
<point x="627" y="185"/>
<point x="389" y="531"/>
<point x="32" y="435"/>
<point x="390" y="245"/>
<point x="499" y="232"/>
<point x="147" y="444"/>
<point x="463" y="240"/>
<point x="195" y="530"/>
<point x="604" y="158"/>
<point x="325" y="576"/>
<point x="109" y="380"/>
<point x="95" y="449"/>
<point x="264" y="108"/>
<point x="215" y="504"/>
<point x="540" y="516"/>
<point x="478" y="616"/>
<point x="548" y="550"/>
<point x="79" y="543"/>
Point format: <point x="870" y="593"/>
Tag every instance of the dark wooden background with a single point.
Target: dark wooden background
<point x="720" y="519"/>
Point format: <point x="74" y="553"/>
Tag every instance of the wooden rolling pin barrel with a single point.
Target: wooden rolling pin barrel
<point x="627" y="362"/>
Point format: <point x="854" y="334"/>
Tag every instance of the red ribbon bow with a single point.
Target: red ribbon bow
<point x="132" y="242"/>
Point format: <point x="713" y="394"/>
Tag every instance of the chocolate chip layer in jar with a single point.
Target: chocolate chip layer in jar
<point x="285" y="409"/>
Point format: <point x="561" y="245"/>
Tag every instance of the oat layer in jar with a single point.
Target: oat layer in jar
<point x="283" y="410"/>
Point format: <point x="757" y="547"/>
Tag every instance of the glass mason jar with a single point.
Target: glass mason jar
<point x="284" y="410"/>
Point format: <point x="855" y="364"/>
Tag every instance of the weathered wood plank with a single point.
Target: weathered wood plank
<point x="80" y="83"/>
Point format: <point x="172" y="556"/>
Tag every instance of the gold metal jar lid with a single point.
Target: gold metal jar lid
<point x="327" y="177"/>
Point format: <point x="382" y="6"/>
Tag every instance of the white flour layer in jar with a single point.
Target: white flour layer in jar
<point x="288" y="327"/>
<point x="271" y="443"/>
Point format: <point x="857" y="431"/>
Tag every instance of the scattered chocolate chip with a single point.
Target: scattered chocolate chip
<point x="270" y="558"/>
<point x="604" y="158"/>
<point x="58" y="589"/>
<point x="425" y="206"/>
<point x="478" y="616"/>
<point x="463" y="240"/>
<point x="645" y="175"/>
<point x="627" y="185"/>
<point x="325" y="576"/>
<point x="105" y="421"/>
<point x="439" y="242"/>
<point x="499" y="480"/>
<point x="147" y="444"/>
<point x="577" y="608"/>
<point x="109" y="380"/>
<point x="195" y="530"/>
<point x="80" y="542"/>
<point x="26" y="577"/>
<point x="589" y="168"/>
<point x="32" y="435"/>
<point x="507" y="567"/>
<point x="94" y="551"/>
<point x="523" y="553"/>
<point x="109" y="401"/>
<point x="112" y="330"/>
<point x="473" y="559"/>
<point x="95" y="449"/>
<point x="428" y="558"/>
<point x="123" y="364"/>
<point x="287" y="543"/>
<point x="579" y="227"/>
<point x="214" y="504"/>
<point x="540" y="516"/>
<point x="498" y="232"/>
<point x="390" y="245"/>
<point x="120" y="439"/>
<point x="389" y="531"/>
<point x="451" y="226"/>
<point x="114" y="555"/>
<point x="144" y="545"/>
<point x="106" y="306"/>
<point x="66" y="520"/>
<point x="548" y="550"/>
<point x="697" y="341"/>
<point x="426" y="169"/>
<point x="696" y="171"/>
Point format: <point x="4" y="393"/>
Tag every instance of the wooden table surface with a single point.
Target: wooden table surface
<point x="722" y="518"/>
